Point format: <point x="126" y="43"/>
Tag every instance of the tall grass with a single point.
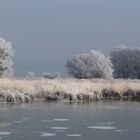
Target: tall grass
<point x="13" y="90"/>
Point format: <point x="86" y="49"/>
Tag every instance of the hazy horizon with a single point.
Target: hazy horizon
<point x="47" y="33"/>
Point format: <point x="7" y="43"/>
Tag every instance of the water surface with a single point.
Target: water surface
<point x="70" y="121"/>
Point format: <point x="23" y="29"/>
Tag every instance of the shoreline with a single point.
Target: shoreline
<point x="75" y="90"/>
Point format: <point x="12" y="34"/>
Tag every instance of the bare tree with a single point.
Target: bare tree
<point x="126" y="62"/>
<point x="90" y="65"/>
<point x="6" y="55"/>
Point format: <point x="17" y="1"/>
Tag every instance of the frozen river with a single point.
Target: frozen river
<point x="70" y="121"/>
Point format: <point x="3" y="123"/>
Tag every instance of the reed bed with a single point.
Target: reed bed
<point x="13" y="90"/>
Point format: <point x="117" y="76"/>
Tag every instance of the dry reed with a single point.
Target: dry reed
<point x="13" y="90"/>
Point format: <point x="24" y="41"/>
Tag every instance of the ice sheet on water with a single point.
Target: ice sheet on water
<point x="74" y="135"/>
<point x="17" y="121"/>
<point x="119" y="130"/>
<point x="45" y="121"/>
<point x="22" y="120"/>
<point x="4" y="108"/>
<point x="101" y="127"/>
<point x="105" y="123"/>
<point x="112" y="107"/>
<point x="5" y="133"/>
<point x="60" y="119"/>
<point x="4" y="124"/>
<point x="45" y="134"/>
<point x="60" y="131"/>
<point x="60" y="128"/>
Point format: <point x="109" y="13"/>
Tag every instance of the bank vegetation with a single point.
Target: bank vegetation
<point x="70" y="89"/>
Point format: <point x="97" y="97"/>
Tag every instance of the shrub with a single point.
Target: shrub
<point x="51" y="75"/>
<point x="30" y="75"/>
<point x="90" y="65"/>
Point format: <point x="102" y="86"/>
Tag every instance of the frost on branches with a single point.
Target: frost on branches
<point x="6" y="55"/>
<point x="90" y="65"/>
<point x="126" y="62"/>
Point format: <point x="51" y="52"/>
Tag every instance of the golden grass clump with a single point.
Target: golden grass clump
<point x="13" y="90"/>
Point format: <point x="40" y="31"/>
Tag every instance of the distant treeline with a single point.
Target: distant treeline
<point x="122" y="62"/>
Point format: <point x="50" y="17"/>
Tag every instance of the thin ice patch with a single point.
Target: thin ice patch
<point x="106" y="123"/>
<point x="74" y="135"/>
<point x="44" y="134"/>
<point x="60" y="128"/>
<point x="5" y="133"/>
<point x="101" y="127"/>
<point x="60" y="120"/>
<point x="45" y="121"/>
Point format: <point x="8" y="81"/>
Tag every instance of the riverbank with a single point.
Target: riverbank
<point x="13" y="90"/>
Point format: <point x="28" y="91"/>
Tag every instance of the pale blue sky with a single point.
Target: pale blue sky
<point x="45" y="33"/>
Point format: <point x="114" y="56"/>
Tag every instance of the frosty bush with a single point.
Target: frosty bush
<point x="126" y="62"/>
<point x="51" y="75"/>
<point x="30" y="75"/>
<point x="6" y="55"/>
<point x="90" y="65"/>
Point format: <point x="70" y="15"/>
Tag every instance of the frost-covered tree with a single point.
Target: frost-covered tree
<point x="90" y="65"/>
<point x="6" y="55"/>
<point x="126" y="62"/>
